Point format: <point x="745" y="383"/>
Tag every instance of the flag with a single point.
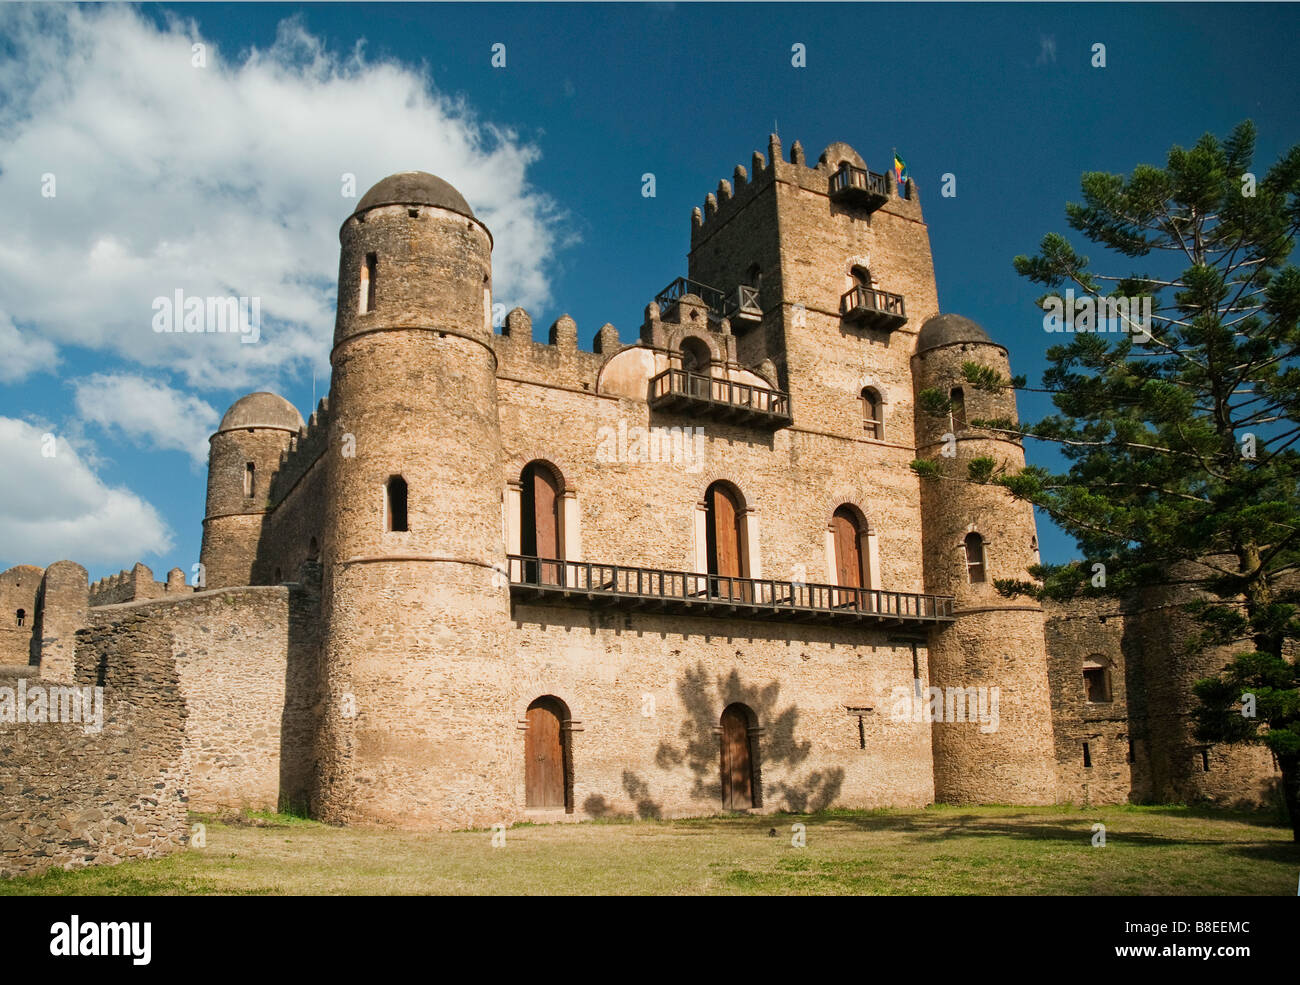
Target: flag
<point x="900" y="168"/>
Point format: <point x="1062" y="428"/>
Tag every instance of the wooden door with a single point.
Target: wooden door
<point x="737" y="768"/>
<point x="544" y="766"/>
<point x="541" y="534"/>
<point x="848" y="556"/>
<point x="724" y="543"/>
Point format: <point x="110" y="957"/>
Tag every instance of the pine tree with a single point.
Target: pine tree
<point x="1180" y="433"/>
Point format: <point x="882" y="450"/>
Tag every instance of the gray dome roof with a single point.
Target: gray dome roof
<point x="414" y="188"/>
<point x="946" y="329"/>
<point x="262" y="410"/>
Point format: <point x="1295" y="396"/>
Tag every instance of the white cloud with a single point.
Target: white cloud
<point x="148" y="412"/>
<point x="22" y="354"/>
<point x="219" y="181"/>
<point x="54" y="508"/>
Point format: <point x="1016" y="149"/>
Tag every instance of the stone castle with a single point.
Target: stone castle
<point x="495" y="578"/>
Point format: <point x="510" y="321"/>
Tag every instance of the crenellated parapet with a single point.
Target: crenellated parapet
<point x="305" y="449"/>
<point x="556" y="362"/>
<point x="136" y="585"/>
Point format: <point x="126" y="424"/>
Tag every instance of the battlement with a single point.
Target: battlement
<point x="558" y="361"/>
<point x="733" y="196"/>
<point x="137" y="584"/>
<point x="305" y="448"/>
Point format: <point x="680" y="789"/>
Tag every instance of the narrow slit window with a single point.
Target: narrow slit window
<point x="1131" y="757"/>
<point x="368" y="278"/>
<point x="395" y="504"/>
<point x="1087" y="757"/>
<point x="1205" y="760"/>
<point x="975" y="558"/>
<point x="249" y="472"/>
<point x="957" y="398"/>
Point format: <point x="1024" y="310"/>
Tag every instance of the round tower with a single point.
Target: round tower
<point x="243" y="454"/>
<point x="974" y="535"/>
<point x="416" y="728"/>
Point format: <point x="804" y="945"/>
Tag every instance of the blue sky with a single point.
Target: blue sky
<point x="226" y="180"/>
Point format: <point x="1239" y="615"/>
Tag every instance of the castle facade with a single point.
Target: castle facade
<point x="497" y="577"/>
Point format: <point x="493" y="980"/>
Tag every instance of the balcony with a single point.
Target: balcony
<point x="715" y="299"/>
<point x="720" y="399"/>
<point x="742" y="308"/>
<point x="854" y="186"/>
<point x="587" y="584"/>
<point x="873" y="309"/>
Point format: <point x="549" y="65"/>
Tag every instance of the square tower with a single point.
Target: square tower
<point x="836" y="268"/>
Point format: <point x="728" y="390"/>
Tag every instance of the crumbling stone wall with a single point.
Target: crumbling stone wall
<point x="70" y="799"/>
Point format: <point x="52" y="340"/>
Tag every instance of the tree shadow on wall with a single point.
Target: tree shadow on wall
<point x="777" y="744"/>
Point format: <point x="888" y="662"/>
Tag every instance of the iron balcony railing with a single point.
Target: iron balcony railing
<point x="874" y="307"/>
<point x="682" y="286"/>
<point x="858" y="185"/>
<point x="678" y="389"/>
<point x="591" y="583"/>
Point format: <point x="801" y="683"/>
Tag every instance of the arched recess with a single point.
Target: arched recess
<point x="737" y="730"/>
<point x="852" y="553"/>
<point x="548" y="756"/>
<point x="976" y="562"/>
<point x="542" y="521"/>
<point x="697" y="363"/>
<point x="727" y="547"/>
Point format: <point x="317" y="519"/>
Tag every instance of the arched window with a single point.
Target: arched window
<point x="21" y="615"/>
<point x="872" y="418"/>
<point x="1096" y="680"/>
<point x="957" y="398"/>
<point x="725" y="539"/>
<point x="974" y="558"/>
<point x="369" y="278"/>
<point x="395" y="504"/>
<point x="548" y="762"/>
<point x="541" y="530"/>
<point x="249" y="474"/>
<point x="739" y="786"/>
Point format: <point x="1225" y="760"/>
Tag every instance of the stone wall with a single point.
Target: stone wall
<point x="19" y="591"/>
<point x="245" y="662"/>
<point x="69" y="798"/>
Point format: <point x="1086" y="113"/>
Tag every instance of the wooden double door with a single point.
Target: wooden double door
<point x="724" y="533"/>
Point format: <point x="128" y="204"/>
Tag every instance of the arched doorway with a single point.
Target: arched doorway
<point x="540" y="527"/>
<point x="737" y="758"/>
<point x="850" y="571"/>
<point x="724" y="534"/>
<point x="547" y="773"/>
<point x="697" y="362"/>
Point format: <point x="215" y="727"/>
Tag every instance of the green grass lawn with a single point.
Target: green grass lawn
<point x="938" y="850"/>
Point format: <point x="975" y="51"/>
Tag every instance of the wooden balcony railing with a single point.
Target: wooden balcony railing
<point x="872" y="308"/>
<point x="859" y="187"/>
<point x="678" y="289"/>
<point x="720" y="399"/>
<point x="589" y="583"/>
<point x="742" y="306"/>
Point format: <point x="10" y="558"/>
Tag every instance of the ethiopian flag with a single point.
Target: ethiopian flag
<point x="900" y="168"/>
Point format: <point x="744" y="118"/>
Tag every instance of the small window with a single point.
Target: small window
<point x="1132" y="758"/>
<point x="395" y="504"/>
<point x="872" y="421"/>
<point x="975" y="558"/>
<point x="249" y="472"/>
<point x="313" y="550"/>
<point x="21" y="615"/>
<point x="1087" y="757"/>
<point x="369" y="275"/>
<point x="1205" y="760"/>
<point x="957" y="398"/>
<point x="1096" y="680"/>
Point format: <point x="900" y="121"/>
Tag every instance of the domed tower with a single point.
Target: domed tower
<point x="416" y="727"/>
<point x="242" y="455"/>
<point x="972" y="536"/>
